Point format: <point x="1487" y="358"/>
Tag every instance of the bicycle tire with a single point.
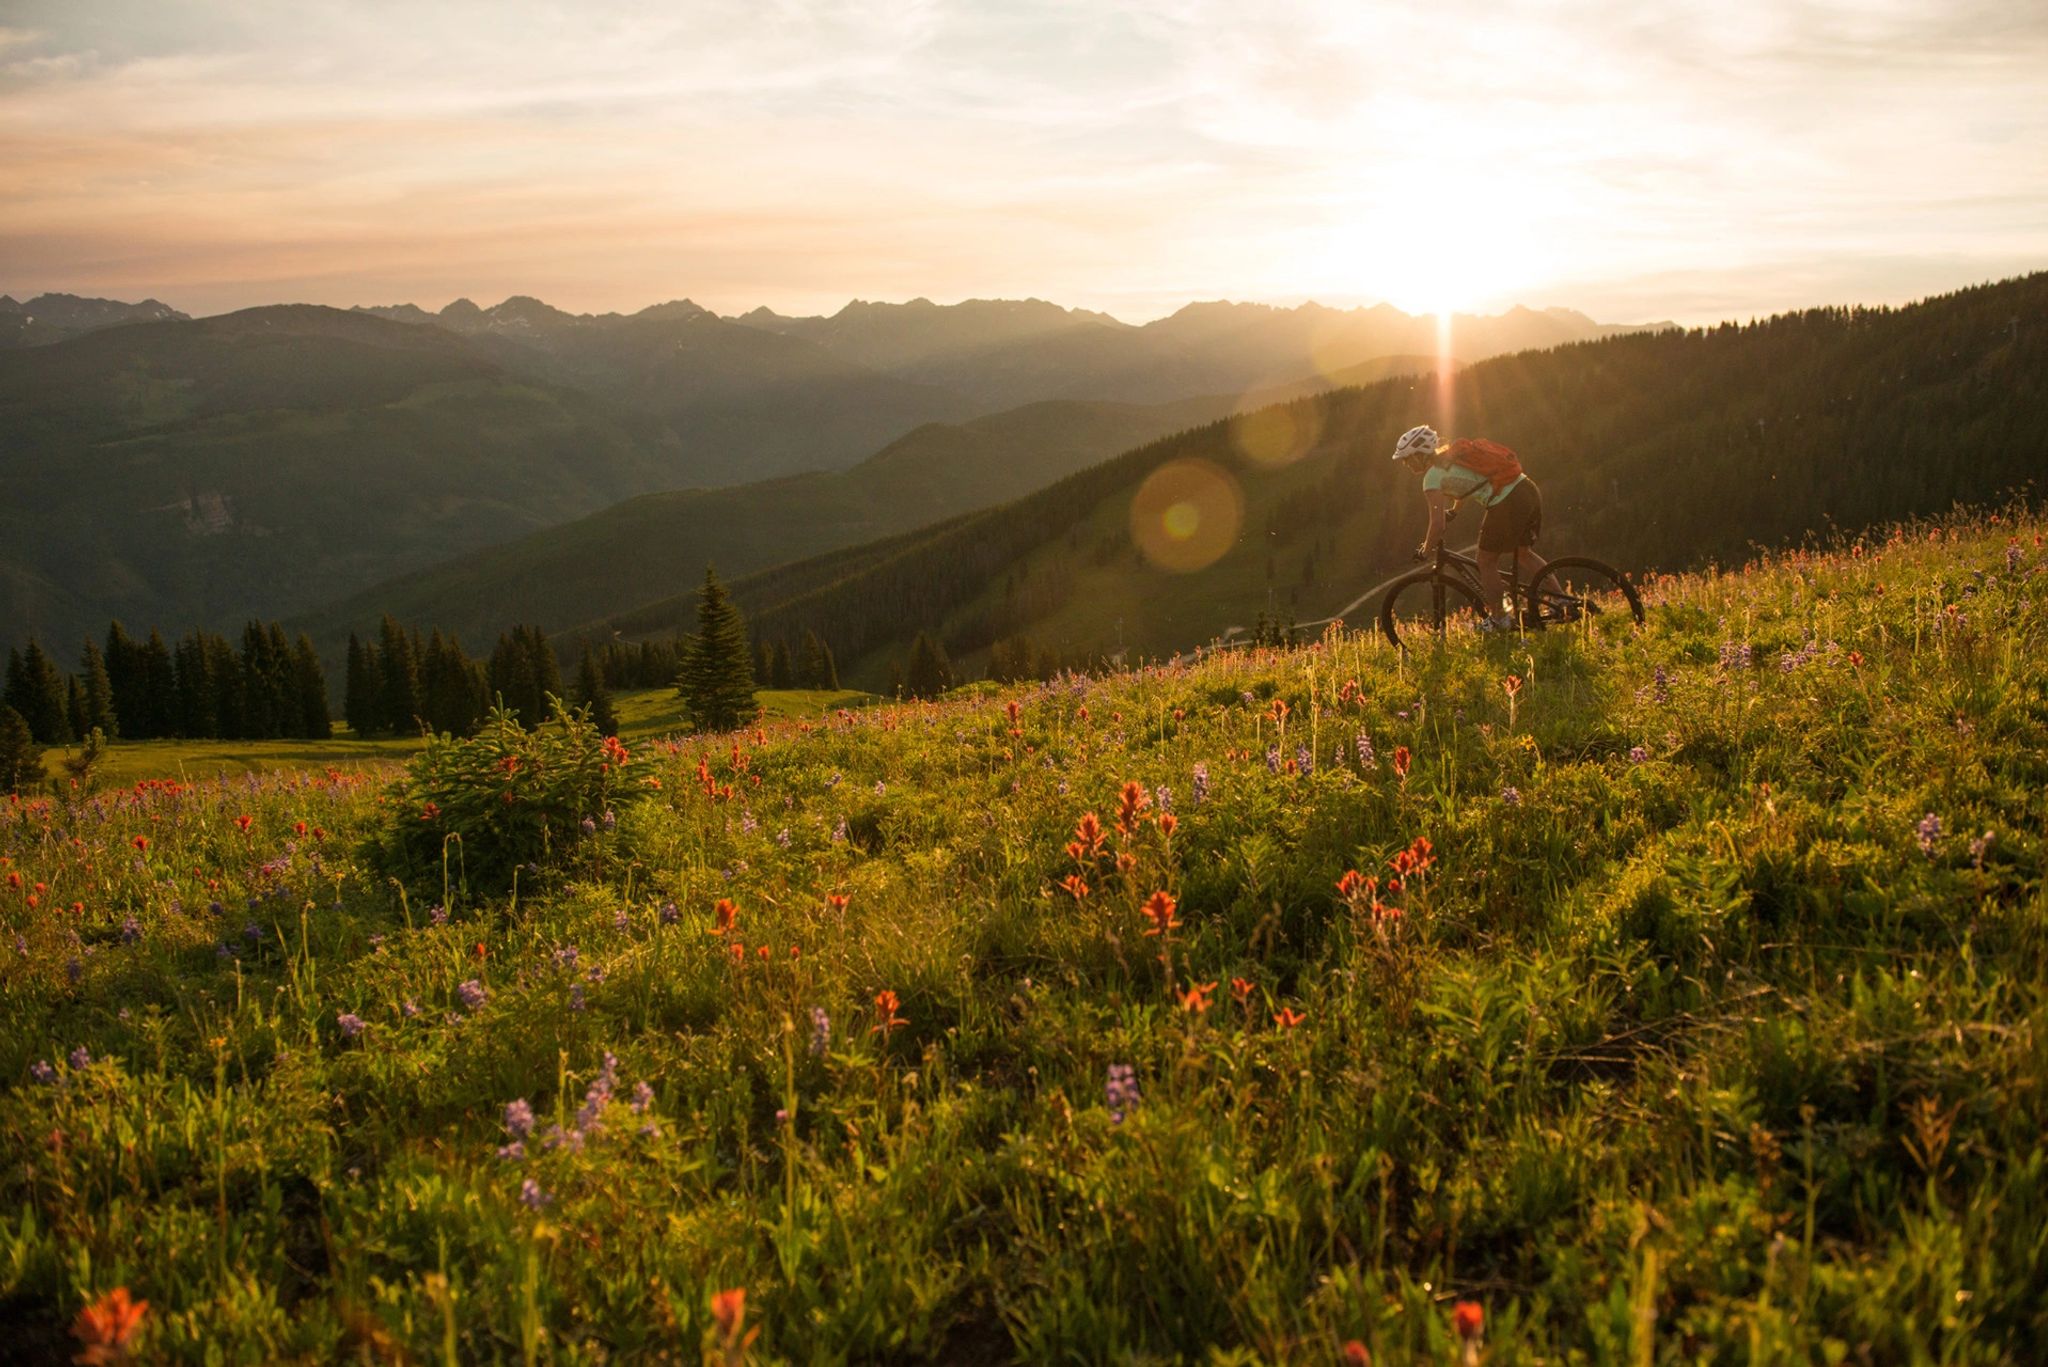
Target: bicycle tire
<point x="1436" y="612"/>
<point x="1575" y="588"/>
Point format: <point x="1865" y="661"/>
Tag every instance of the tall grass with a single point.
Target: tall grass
<point x="1707" y="1026"/>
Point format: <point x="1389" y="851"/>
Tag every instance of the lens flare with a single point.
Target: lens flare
<point x="1186" y="515"/>
<point x="1277" y="435"/>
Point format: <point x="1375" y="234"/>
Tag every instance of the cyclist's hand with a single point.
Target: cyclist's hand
<point x="1422" y="552"/>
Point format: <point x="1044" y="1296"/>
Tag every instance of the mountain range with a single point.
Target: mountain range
<point x="196" y="472"/>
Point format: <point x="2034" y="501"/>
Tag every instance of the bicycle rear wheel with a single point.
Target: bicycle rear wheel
<point x="1425" y="603"/>
<point x="1574" y="589"/>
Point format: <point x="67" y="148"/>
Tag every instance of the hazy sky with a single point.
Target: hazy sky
<point x="1640" y="160"/>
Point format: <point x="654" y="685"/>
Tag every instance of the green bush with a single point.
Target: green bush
<point x="472" y="811"/>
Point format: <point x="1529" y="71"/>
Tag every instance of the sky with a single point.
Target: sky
<point x="1644" y="161"/>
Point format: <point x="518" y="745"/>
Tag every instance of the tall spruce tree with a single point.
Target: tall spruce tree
<point x="159" y="685"/>
<point x="399" y="690"/>
<point x="361" y="707"/>
<point x="124" y="678"/>
<point x="780" y="675"/>
<point x="99" y="693"/>
<point x="35" y="688"/>
<point x="717" y="678"/>
<point x="590" y="692"/>
<point x="223" y="674"/>
<point x="316" y="722"/>
<point x="21" y="759"/>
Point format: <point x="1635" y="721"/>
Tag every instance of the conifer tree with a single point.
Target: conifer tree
<point x="780" y="675"/>
<point x="591" y="693"/>
<point x="360" y="706"/>
<point x="928" y="673"/>
<point x="223" y="675"/>
<point x="21" y="759"/>
<point x="35" y="689"/>
<point x="159" y="685"/>
<point x="717" y="678"/>
<point x="315" y="721"/>
<point x="399" y="684"/>
<point x="99" y="693"/>
<point x="74" y="706"/>
<point x="124" y="677"/>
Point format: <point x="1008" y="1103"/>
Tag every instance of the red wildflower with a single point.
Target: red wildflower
<point x="725" y="914"/>
<point x="1196" y="998"/>
<point x="1355" y="1354"/>
<point x="299" y="829"/>
<point x="1013" y="710"/>
<point x="1126" y="861"/>
<point x="1074" y="887"/>
<point x="1415" y="859"/>
<point x="763" y="952"/>
<point x="885" y="1006"/>
<point x="243" y="822"/>
<point x="1401" y="761"/>
<point x="141" y="842"/>
<point x="479" y="951"/>
<point x="1512" y="683"/>
<point x="1350" y="883"/>
<point x="1159" y="910"/>
<point x="728" y="1314"/>
<point x="107" y="1327"/>
<point x="1241" y="988"/>
<point x="1088" y="833"/>
<point x="1135" y="800"/>
<point x="1469" y="1319"/>
<point x="1855" y="659"/>
<point x="835" y="902"/>
<point x="1288" y="1018"/>
<point x="429" y="812"/>
<point x="1168" y="822"/>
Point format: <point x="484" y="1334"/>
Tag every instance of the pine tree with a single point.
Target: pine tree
<point x="74" y="706"/>
<point x="928" y="673"/>
<point x="223" y="674"/>
<point x="315" y="722"/>
<point x="361" y="707"/>
<point x="124" y="678"/>
<point x="399" y="684"/>
<point x="547" y="671"/>
<point x="35" y="689"/>
<point x="591" y="693"/>
<point x="99" y="693"/>
<point x="21" y="759"/>
<point x="780" y="675"/>
<point x="717" y="679"/>
<point x="512" y="683"/>
<point x="159" y="685"/>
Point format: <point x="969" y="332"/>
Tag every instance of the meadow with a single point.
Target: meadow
<point x="1609" y="995"/>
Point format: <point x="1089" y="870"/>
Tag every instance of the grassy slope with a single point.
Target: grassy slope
<point x="1714" y="1032"/>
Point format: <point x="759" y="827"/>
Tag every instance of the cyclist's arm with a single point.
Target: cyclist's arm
<point x="1439" y="503"/>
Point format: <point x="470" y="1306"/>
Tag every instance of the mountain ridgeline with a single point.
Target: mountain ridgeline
<point x="1654" y="451"/>
<point x="266" y="462"/>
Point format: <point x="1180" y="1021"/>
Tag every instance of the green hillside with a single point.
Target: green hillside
<point x="254" y="464"/>
<point x="1653" y="451"/>
<point x="1087" y="1023"/>
<point x="583" y="569"/>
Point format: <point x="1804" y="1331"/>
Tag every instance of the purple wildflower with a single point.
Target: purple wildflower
<point x="131" y="931"/>
<point x="620" y="920"/>
<point x="1926" y="832"/>
<point x="512" y="1152"/>
<point x="437" y="915"/>
<point x="532" y="1195"/>
<point x="1511" y="795"/>
<point x="565" y="958"/>
<point x="518" y="1118"/>
<point x="821" y="1031"/>
<point x="1663" y="685"/>
<point x="670" y="913"/>
<point x="1201" y="784"/>
<point x="782" y="837"/>
<point x="577" y="1001"/>
<point x="881" y="788"/>
<point x="1978" y="847"/>
<point x="611" y="819"/>
<point x="351" y="1024"/>
<point x="1162" y="798"/>
<point x="1121" y="1091"/>
<point x="409" y="1008"/>
<point x="1304" y="760"/>
<point x="1637" y="754"/>
<point x="1366" y="758"/>
<point x="643" y="1097"/>
<point x="41" y="1071"/>
<point x="589" y="826"/>
<point x="839" y="832"/>
<point x="81" y="1059"/>
<point x="559" y="1138"/>
<point x="1272" y="759"/>
<point x="473" y="994"/>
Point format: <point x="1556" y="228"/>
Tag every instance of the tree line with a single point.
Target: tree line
<point x="203" y="688"/>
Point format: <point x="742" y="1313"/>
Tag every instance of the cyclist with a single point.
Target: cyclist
<point x="1489" y="473"/>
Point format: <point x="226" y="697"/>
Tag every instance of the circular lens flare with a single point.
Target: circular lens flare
<point x="1186" y="515"/>
<point x="1279" y="434"/>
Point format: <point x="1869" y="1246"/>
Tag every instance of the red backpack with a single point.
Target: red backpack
<point x="1499" y="466"/>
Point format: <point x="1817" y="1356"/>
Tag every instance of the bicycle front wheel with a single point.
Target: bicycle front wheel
<point x="1574" y="589"/>
<point x="1425" y="603"/>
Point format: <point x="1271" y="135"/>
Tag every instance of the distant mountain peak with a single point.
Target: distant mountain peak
<point x="8" y="304"/>
<point x="679" y="308"/>
<point x="461" y="308"/>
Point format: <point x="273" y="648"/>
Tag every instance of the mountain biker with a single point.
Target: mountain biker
<point x="1491" y="474"/>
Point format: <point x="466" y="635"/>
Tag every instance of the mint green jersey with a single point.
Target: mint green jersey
<point x="1460" y="483"/>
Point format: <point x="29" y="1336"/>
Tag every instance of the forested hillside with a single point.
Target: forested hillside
<point x="1654" y="451"/>
<point x="255" y="464"/>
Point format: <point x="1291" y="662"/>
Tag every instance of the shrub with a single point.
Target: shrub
<point x="484" y="805"/>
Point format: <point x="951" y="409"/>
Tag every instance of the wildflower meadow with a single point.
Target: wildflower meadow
<point x="1605" y="995"/>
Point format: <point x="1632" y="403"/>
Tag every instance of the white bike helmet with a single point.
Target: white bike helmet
<point x="1416" y="441"/>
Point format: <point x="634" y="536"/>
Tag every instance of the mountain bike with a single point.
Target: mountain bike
<point x="1569" y="590"/>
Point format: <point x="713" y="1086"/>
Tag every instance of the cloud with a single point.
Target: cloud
<point x="796" y="153"/>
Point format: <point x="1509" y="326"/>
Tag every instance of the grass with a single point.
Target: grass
<point x="642" y="713"/>
<point x="1711" y="1030"/>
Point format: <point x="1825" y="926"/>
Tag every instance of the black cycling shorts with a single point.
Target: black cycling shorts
<point x="1513" y="522"/>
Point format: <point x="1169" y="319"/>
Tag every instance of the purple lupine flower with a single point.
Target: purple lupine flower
<point x="512" y="1152"/>
<point x="1662" y="685"/>
<point x="577" y="1001"/>
<point x="670" y="913"/>
<point x="1272" y="759"/>
<point x="1247" y="698"/>
<point x="566" y="958"/>
<point x="473" y="994"/>
<point x="620" y="920"/>
<point x="610" y="819"/>
<point x="881" y="788"/>
<point x="833" y="782"/>
<point x="650" y="1130"/>
<point x="41" y="1071"/>
<point x="131" y="931"/>
<point x="252" y="932"/>
<point x="589" y="826"/>
<point x="1366" y="758"/>
<point x="1978" y="847"/>
<point x="1511" y="795"/>
<point x="559" y="1138"/>
<point x="1201" y="784"/>
<point x="643" y="1097"/>
<point x="1121" y="1091"/>
<point x="1926" y="832"/>
<point x="1637" y="754"/>
<point x="351" y="1024"/>
<point x="2012" y="558"/>
<point x="408" y="1008"/>
<point x="1162" y="798"/>
<point x="1304" y="760"/>
<point x="821" y="1031"/>
<point x="839" y="832"/>
<point x="531" y="1193"/>
<point x="782" y="837"/>
<point x="518" y="1118"/>
<point x="437" y="915"/>
<point x="81" y="1059"/>
<point x="222" y="952"/>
